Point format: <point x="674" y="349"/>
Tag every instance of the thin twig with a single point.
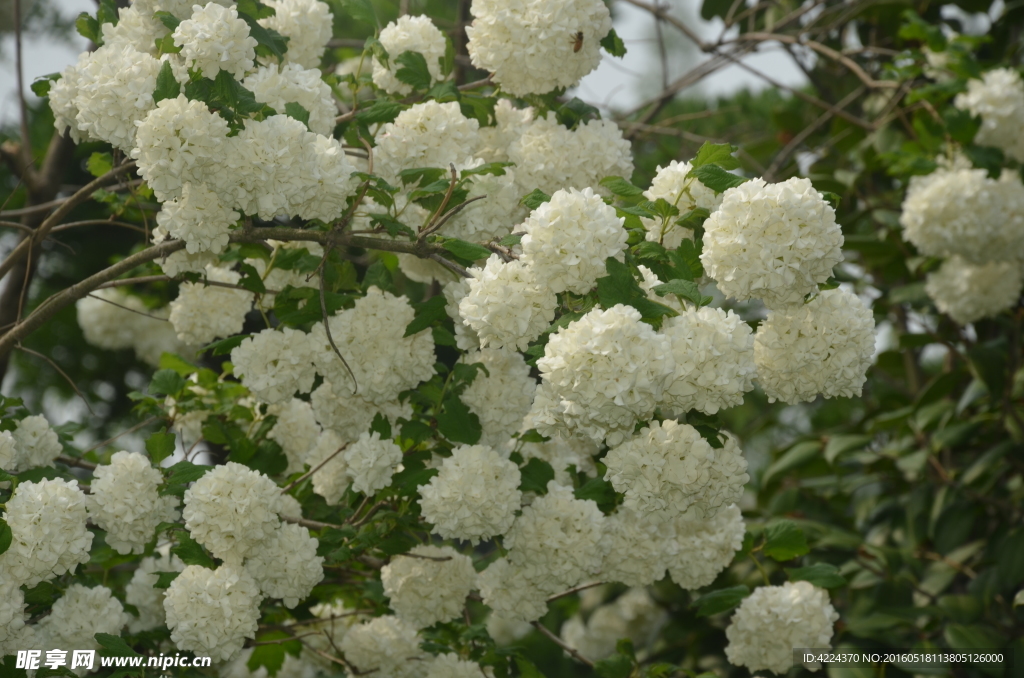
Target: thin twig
<point x="313" y="470"/>
<point x="62" y="373"/>
<point x="450" y="265"/>
<point x="575" y="589"/>
<point x="314" y="524"/>
<point x="133" y="429"/>
<point x="558" y="641"/>
<point x="74" y="461"/>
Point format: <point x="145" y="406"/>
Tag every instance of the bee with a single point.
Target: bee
<point x="577" y="41"/>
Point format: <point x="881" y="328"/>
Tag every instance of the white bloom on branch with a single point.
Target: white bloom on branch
<point x="454" y="293"/>
<point x="408" y="34"/>
<point x="36" y="443"/>
<point x="430" y="589"/>
<point x="136" y="26"/>
<point x="199" y="218"/>
<point x="371" y="462"/>
<point x="279" y="85"/>
<point x="703" y="546"/>
<point x="510" y="593"/>
<point x="450" y="666"/>
<point x="501" y="397"/>
<point x="685" y="193"/>
<point x="510" y="122"/>
<point x="561" y="453"/>
<point x="216" y="39"/>
<point x="634" y="546"/>
<point x="331" y="479"/>
<point x="633" y="615"/>
<point x="967" y="292"/>
<point x="998" y="98"/>
<point x="296" y="431"/>
<point x="12" y="617"/>
<point x="308" y="25"/>
<point x="141" y="591"/>
<point x="506" y="304"/>
<point x="202" y="313"/>
<point x="349" y="415"/>
<point x="275" y="364"/>
<point x="286" y="565"/>
<point x="430" y="134"/>
<point x="80" y="614"/>
<point x="386" y="646"/>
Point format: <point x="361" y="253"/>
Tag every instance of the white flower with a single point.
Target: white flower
<point x="331" y="479"/>
<point x="179" y="141"/>
<point x="386" y="645"/>
<point x="278" y="278"/>
<point x="509" y="125"/>
<point x="714" y="359"/>
<point x="506" y="304"/>
<point x="135" y="26"/>
<point x="62" y="102"/>
<point x="686" y="193"/>
<point x="510" y="594"/>
<point x="550" y="157"/>
<point x="601" y="374"/>
<point x="408" y="34"/>
<point x="371" y="338"/>
<point x="36" y="443"/>
<point x="48" y="528"/>
<point x="669" y="468"/>
<point x="773" y="242"/>
<point x="296" y="431"/>
<point x="999" y="99"/>
<point x="703" y="546"/>
<point x="824" y="346"/>
<point x="141" y="591"/>
<point x="561" y="453"/>
<point x="80" y="614"/>
<point x="957" y="211"/>
<point x="557" y="540"/>
<point x="633" y="615"/>
<point x="274" y="364"/>
<point x="106" y="325"/>
<point x="634" y="549"/>
<point x="202" y="313"/>
<point x="450" y="666"/>
<point x="569" y="238"/>
<point x="181" y="261"/>
<point x="8" y="452"/>
<point x="430" y="134"/>
<point x="12" y="616"/>
<point x="475" y="495"/>
<point x="492" y="217"/>
<point x="454" y="293"/>
<point x="502" y="399"/>
<point x="125" y="501"/>
<point x="533" y="46"/>
<point x="307" y="23"/>
<point x="505" y="631"/>
<point x="371" y="462"/>
<point x="212" y="612"/>
<point x="216" y="39"/>
<point x="198" y="218"/>
<point x="966" y="292"/>
<point x="286" y="565"/>
<point x="231" y="510"/>
<point x="279" y="85"/>
<point x="423" y="271"/>
<point x="774" y="620"/>
<point x="114" y="91"/>
<point x="349" y="415"/>
<point x="428" y="590"/>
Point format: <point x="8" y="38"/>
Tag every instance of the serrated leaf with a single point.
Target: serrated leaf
<point x="271" y="40"/>
<point x="716" y="178"/>
<point x="720" y="601"/>
<point x="535" y="199"/>
<point x="423" y="176"/>
<point x="168" y="20"/>
<point x="6" y="536"/>
<point x="621" y="187"/>
<point x="687" y="289"/>
<point x="166" y="382"/>
<point x="457" y="423"/>
<point x="224" y="346"/>
<point x="715" y="154"/>
<point x="466" y="250"/>
<point x="613" y="44"/>
<point x="379" y="112"/>
<point x="784" y="541"/>
<point x="166" y="86"/>
<point x="820" y="574"/>
<point x="297" y="111"/>
<point x="427" y="313"/>
<point x="99" y="164"/>
<point x="114" y="646"/>
<point x="413" y="70"/>
<point x="535" y="475"/>
<point x="160" y="445"/>
<point x="191" y="553"/>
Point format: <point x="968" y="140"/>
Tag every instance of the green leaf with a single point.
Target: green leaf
<point x="720" y="601"/>
<point x="599" y="491"/>
<point x="427" y="313"/>
<point x="832" y="199"/>
<point x="716" y="178"/>
<point x="535" y="475"/>
<point x="168" y="20"/>
<point x="511" y="240"/>
<point x="616" y="666"/>
<point x="784" y="540"/>
<point x="613" y="44"/>
<point x="535" y="199"/>
<point x="620" y="287"/>
<point x="270" y="40"/>
<point x="166" y="382"/>
<point x="988" y="362"/>
<point x="820" y="574"/>
<point x="687" y="289"/>
<point x="381" y="425"/>
<point x="166" y="86"/>
<point x="841" y="444"/>
<point x="164" y="579"/>
<point x="466" y="250"/>
<point x="251" y="279"/>
<point x="99" y="164"/>
<point x="408" y="480"/>
<point x="114" y="646"/>
<point x="796" y="456"/>
<point x="527" y="669"/>
<point x="184" y="472"/>
<point x="6" y="536"/>
<point x="41" y="85"/>
<point x="224" y="346"/>
<point x="494" y="168"/>
<point x="297" y="111"/>
<point x="422" y="176"/>
<point x="88" y="28"/>
<point x="361" y="10"/>
<point x="575" y="111"/>
<point x="270" y="655"/>
<point x="457" y="423"/>
<point x="160" y="445"/>
<point x="715" y="154"/>
<point x="381" y="111"/>
<point x="689" y="251"/>
<point x="191" y="553"/>
<point x="414" y="70"/>
<point x="255" y="9"/>
<point x="621" y="187"/>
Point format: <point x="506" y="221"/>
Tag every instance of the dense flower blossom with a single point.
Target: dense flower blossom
<point x="216" y="39"/>
<point x="136" y="26"/>
<point x="509" y="125"/>
<point x="12" y="616"/>
<point x="773" y="242"/>
<point x="967" y="292"/>
<point x="634" y="549"/>
<point x="634" y="615"/>
<point x="35" y="444"/>
<point x="296" y="431"/>
<point x="450" y="666"/>
<point x="348" y="414"/>
<point x="198" y="218"/>
<point x="685" y="193"/>
<point x="490" y="218"/>
<point x="501" y="397"/>
<point x="279" y="85"/>
<point x="454" y="293"/>
<point x="824" y="346"/>
<point x="430" y="134"/>
<point x="113" y="320"/>
<point x="275" y="364"/>
<point x="370" y="462"/>
<point x="408" y="34"/>
<point x="80" y="614"/>
<point x="428" y="589"/>
<point x="703" y="547"/>
<point x="307" y="24"/>
<point x="386" y="645"/>
<point x="202" y="313"/>
<point x="506" y="304"/>
<point x="286" y="565"/>
<point x="510" y="593"/>
<point x="125" y="501"/>
<point x="142" y="593"/>
<point x="998" y="98"/>
<point x="327" y="455"/>
<point x="561" y="453"/>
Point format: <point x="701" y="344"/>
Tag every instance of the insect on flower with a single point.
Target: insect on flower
<point x="577" y="41"/>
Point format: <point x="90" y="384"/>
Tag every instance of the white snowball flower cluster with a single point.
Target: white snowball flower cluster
<point x="31" y="444"/>
<point x="491" y="218"/>
<point x="199" y="218"/>
<point x="967" y="292"/>
<point x="509" y="125"/>
<point x="371" y="338"/>
<point x="775" y="619"/>
<point x="634" y="615"/>
<point x="669" y="468"/>
<point x="275" y="364"/>
<point x="561" y="453"/>
<point x="557" y="541"/>
<point x="454" y="292"/>
<point x="430" y="588"/>
<point x="48" y="531"/>
<point x="408" y="34"/>
<point x="714" y="360"/>
<point x="501" y="398"/>
<point x="999" y="99"/>
<point x="107" y="325"/>
<point x="386" y="645"/>
<point x="370" y="462"/>
<point x="202" y="313"/>
<point x="506" y="304"/>
<point x="505" y="631"/>
<point x="231" y="510"/>
<point x="958" y="211"/>
<point x="824" y="346"/>
<point x="80" y="614"/>
<point x="212" y="612"/>
<point x="349" y="415"/>
<point x="216" y="39"/>
<point x="12" y="617"/>
<point x="703" y="546"/>
<point x="142" y="593"/>
<point x="429" y="134"/>
<point x="550" y="157"/>
<point x="136" y="26"/>
<point x="450" y="666"/>
<point x="635" y="545"/>
<point x="331" y="480"/>
<point x="125" y="501"/>
<point x="569" y="238"/>
<point x="278" y="85"/>
<point x="600" y="375"/>
<point x="474" y="496"/>
<point x="286" y="565"/>
<point x="508" y="590"/>
<point x="296" y="431"/>
<point x="533" y="46"/>
<point x="307" y="24"/>
<point x="686" y="193"/>
<point x="773" y="242"/>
